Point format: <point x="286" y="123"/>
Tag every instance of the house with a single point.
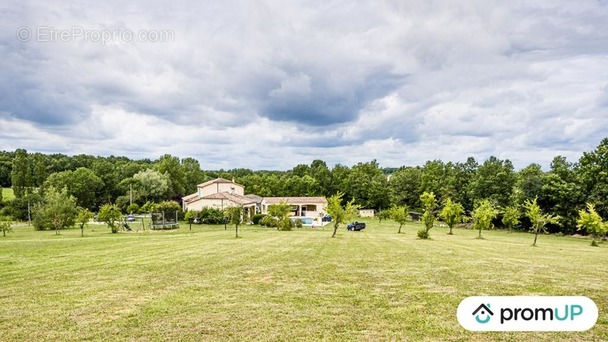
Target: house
<point x="366" y="212"/>
<point x="219" y="193"/>
<point x="311" y="207"/>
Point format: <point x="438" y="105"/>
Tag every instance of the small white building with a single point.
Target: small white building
<point x="367" y="212"/>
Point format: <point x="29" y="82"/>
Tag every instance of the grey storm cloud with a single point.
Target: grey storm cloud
<point x="314" y="101"/>
<point x="400" y="82"/>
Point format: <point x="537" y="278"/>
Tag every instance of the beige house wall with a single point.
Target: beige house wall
<point x="213" y="203"/>
<point x="221" y="187"/>
<point x="312" y="210"/>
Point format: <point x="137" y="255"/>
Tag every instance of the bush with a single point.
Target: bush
<point x="286" y="224"/>
<point x="269" y="221"/>
<point x="133" y="208"/>
<point x="298" y="223"/>
<point x="257" y="218"/>
<point x="423" y="234"/>
<point x="211" y="216"/>
<point x="18" y="207"/>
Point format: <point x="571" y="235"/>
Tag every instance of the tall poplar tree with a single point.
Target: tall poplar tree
<point x="20" y="175"/>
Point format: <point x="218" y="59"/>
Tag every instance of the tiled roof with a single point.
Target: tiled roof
<point x="214" y="181"/>
<point x="255" y="198"/>
<point x="190" y="197"/>
<point x="242" y="200"/>
<point x="295" y="200"/>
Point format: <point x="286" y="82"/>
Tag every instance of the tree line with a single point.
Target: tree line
<point x="562" y="191"/>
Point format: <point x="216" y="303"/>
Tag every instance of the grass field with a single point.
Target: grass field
<point x="268" y="285"/>
<point x="7" y="194"/>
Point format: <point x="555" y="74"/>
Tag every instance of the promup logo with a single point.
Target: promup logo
<point x="483" y="310"/>
<point x="532" y="313"/>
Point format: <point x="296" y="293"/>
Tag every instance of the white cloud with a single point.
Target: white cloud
<point x="270" y="85"/>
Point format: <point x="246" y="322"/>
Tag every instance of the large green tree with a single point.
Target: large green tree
<point x="171" y="166"/>
<point x="340" y="175"/>
<point x="435" y="178"/>
<point x="108" y="173"/>
<point x="593" y="176"/>
<point x="193" y="175"/>
<point x="151" y="185"/>
<point x="6" y="165"/>
<point x="320" y="172"/>
<point x="39" y="173"/>
<point x="82" y="183"/>
<point x="562" y="194"/>
<point x="461" y="178"/>
<point x="404" y="185"/>
<point x="530" y="181"/>
<point x="495" y="180"/>
<point x="367" y="185"/>
<point x="21" y="177"/>
<point x="301" y="186"/>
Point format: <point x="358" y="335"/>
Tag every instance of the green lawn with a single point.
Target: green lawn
<point x="7" y="194"/>
<point x="205" y="285"/>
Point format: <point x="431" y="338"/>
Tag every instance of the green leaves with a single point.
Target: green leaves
<point x="5" y="225"/>
<point x="57" y="210"/>
<point x="340" y="214"/>
<point x="400" y="215"/>
<point x="592" y="222"/>
<point x="537" y="217"/>
<point x="428" y="217"/>
<point x="483" y="215"/>
<point x="234" y="215"/>
<point x="451" y="213"/>
<point x="510" y="217"/>
<point x="110" y="214"/>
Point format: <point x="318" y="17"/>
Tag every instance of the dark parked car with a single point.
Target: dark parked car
<point x="356" y="226"/>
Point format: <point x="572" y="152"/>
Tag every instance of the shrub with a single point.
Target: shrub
<point x="211" y="216"/>
<point x="257" y="218"/>
<point x="148" y="207"/>
<point x="298" y="223"/>
<point x="269" y="221"/>
<point x="133" y="208"/>
<point x="286" y="224"/>
<point x="423" y="234"/>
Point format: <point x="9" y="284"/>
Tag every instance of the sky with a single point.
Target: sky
<point x="273" y="84"/>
